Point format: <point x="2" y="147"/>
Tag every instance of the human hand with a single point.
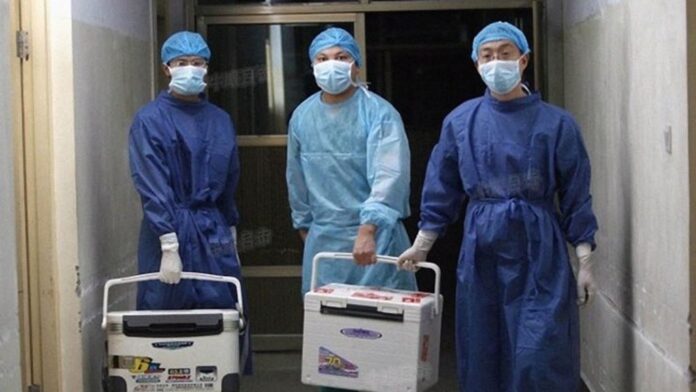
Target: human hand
<point x="364" y="248"/>
<point x="170" y="264"/>
<point x="418" y="251"/>
<point x="409" y="259"/>
<point x="585" y="280"/>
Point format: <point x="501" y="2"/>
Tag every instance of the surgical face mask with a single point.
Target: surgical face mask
<point x="187" y="80"/>
<point x="501" y="76"/>
<point x="333" y="76"/>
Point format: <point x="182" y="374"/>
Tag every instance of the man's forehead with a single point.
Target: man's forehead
<point x="188" y="58"/>
<point x="497" y="45"/>
<point x="332" y="51"/>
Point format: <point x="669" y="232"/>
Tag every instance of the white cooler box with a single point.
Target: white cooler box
<point x="371" y="338"/>
<point x="173" y="350"/>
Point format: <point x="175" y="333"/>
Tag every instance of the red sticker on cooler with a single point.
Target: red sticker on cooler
<point x="372" y="295"/>
<point x="425" y="347"/>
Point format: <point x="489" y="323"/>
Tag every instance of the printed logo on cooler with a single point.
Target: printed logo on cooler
<point x="206" y="373"/>
<point x="147" y="379"/>
<point x="172" y="345"/>
<point x="361" y="333"/>
<point x="179" y="375"/>
<point x="135" y="364"/>
<point x="332" y="364"/>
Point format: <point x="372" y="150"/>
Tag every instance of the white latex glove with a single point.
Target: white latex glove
<point x="418" y="251"/>
<point x="585" y="280"/>
<point x="170" y="265"/>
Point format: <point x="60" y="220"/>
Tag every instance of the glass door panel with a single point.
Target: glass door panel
<point x="260" y="72"/>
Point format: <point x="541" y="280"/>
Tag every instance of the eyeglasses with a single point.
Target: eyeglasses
<point x="183" y="62"/>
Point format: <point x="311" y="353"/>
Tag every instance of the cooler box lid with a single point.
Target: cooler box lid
<point x="173" y="323"/>
<point x="369" y="302"/>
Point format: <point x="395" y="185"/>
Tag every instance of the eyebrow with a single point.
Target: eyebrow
<point x="334" y="54"/>
<point x="505" y="45"/>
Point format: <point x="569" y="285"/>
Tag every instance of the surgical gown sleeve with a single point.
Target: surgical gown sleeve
<point x="297" y="186"/>
<point x="226" y="203"/>
<point x="151" y="176"/>
<point x="573" y="174"/>
<point x="443" y="194"/>
<point x="388" y="173"/>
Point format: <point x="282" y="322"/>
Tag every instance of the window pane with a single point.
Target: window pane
<point x="260" y="73"/>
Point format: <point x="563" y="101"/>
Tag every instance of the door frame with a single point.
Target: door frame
<point x="361" y="6"/>
<point x="27" y="357"/>
<point x="691" y="108"/>
<point x="46" y="201"/>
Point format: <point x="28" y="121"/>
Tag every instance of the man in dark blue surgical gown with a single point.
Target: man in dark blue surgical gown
<point x="503" y="159"/>
<point x="185" y="166"/>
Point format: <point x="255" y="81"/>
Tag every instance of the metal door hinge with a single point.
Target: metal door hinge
<point x="34" y="388"/>
<point x="23" y="48"/>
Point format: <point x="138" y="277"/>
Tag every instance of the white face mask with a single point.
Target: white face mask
<point x="188" y="80"/>
<point x="501" y="76"/>
<point x="333" y="76"/>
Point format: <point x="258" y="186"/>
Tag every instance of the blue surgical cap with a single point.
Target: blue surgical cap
<point x="335" y="36"/>
<point x="499" y="31"/>
<point x="184" y="43"/>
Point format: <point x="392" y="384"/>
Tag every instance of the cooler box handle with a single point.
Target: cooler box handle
<point x="380" y="259"/>
<point x="184" y="275"/>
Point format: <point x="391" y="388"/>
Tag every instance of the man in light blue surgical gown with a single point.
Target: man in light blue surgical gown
<point x="348" y="171"/>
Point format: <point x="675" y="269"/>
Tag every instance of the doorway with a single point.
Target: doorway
<point x="416" y="55"/>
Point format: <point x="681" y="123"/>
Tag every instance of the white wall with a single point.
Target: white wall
<point x="625" y="81"/>
<point x="113" y="73"/>
<point x="10" y="373"/>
